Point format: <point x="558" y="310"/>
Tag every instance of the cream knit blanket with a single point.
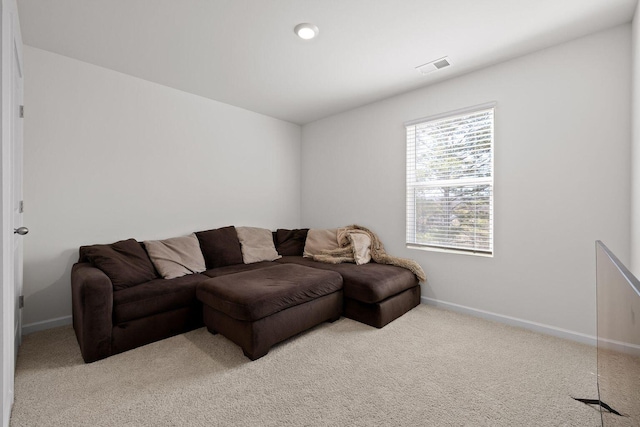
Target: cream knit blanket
<point x="345" y="252"/>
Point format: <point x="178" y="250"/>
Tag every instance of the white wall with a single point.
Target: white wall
<point x="109" y="156"/>
<point x="562" y="178"/>
<point x="635" y="150"/>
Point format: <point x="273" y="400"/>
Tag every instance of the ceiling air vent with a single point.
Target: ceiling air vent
<point x="433" y="65"/>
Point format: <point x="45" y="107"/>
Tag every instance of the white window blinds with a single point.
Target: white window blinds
<point x="450" y="180"/>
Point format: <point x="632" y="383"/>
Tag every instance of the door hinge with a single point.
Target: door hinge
<point x="21" y="301"/>
<point x="21" y="207"/>
<point x="22" y="111"/>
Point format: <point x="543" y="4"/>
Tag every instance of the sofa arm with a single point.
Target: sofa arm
<point x="92" y="308"/>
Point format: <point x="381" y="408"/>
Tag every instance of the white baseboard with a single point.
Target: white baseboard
<point x="514" y="321"/>
<point x="620" y="347"/>
<point x="45" y="324"/>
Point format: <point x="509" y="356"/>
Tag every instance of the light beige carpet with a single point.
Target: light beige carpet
<point x="429" y="368"/>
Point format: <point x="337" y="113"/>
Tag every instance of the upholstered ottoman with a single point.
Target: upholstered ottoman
<point x="257" y="309"/>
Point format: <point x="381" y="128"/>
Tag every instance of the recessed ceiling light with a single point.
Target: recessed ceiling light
<point x="306" y="31"/>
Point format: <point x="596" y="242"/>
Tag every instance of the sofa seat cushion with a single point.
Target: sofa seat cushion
<point x="155" y="296"/>
<point x="237" y="268"/>
<point x="253" y="295"/>
<point x="369" y="283"/>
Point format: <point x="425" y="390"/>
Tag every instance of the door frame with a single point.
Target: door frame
<point x="9" y="31"/>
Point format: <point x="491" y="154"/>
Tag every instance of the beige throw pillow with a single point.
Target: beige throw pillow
<point x="177" y="256"/>
<point x="361" y="243"/>
<point x="256" y="244"/>
<point x="320" y="240"/>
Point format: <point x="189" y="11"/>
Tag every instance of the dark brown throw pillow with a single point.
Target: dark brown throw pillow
<point x="125" y="262"/>
<point x="291" y="242"/>
<point x="220" y="247"/>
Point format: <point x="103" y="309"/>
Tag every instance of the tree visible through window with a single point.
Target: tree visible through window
<point x="450" y="181"/>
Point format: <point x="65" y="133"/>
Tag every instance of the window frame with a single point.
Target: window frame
<point x="411" y="186"/>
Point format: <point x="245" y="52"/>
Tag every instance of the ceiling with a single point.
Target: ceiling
<point x="244" y="52"/>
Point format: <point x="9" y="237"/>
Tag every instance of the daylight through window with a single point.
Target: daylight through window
<point x="450" y="181"/>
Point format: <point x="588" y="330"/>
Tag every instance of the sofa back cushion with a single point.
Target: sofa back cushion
<point x="319" y="240"/>
<point x="125" y="262"/>
<point x="220" y="247"/>
<point x="257" y="245"/>
<point x="177" y="256"/>
<point x="290" y="242"/>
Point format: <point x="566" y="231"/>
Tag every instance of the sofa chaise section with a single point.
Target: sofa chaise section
<point x="374" y="294"/>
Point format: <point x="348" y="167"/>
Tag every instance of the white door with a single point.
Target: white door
<point x="16" y="191"/>
<point x="11" y="195"/>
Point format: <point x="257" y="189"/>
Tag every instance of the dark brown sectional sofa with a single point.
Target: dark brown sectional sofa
<point x="120" y="302"/>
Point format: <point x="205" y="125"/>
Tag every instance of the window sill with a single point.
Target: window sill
<point x="449" y="251"/>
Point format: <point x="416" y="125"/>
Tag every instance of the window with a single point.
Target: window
<point x="450" y="181"/>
